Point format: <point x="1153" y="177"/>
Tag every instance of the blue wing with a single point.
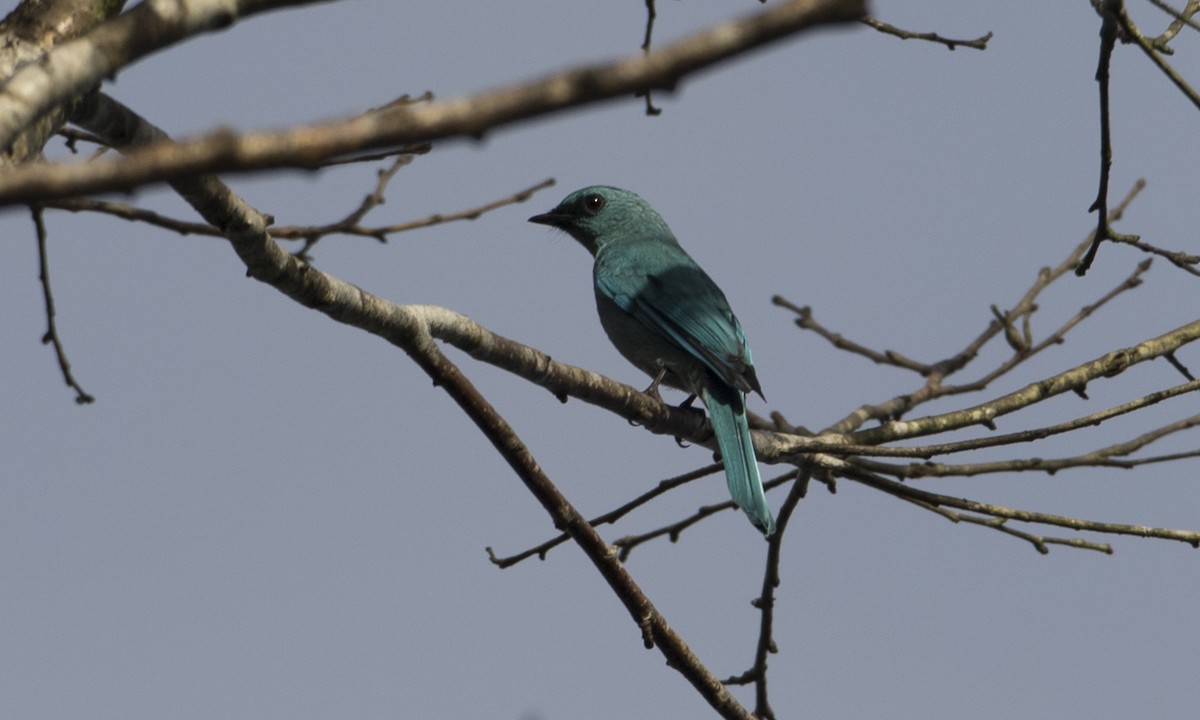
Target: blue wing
<point x="681" y="302"/>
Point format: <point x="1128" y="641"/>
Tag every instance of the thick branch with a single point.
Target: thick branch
<point x="28" y="33"/>
<point x="73" y="68"/>
<point x="225" y="151"/>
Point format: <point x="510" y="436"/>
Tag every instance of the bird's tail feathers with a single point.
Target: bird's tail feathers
<point x="727" y="412"/>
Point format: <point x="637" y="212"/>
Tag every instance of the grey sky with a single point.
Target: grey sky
<point x="269" y="515"/>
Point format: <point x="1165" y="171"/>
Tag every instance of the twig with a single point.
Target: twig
<point x="979" y="43"/>
<point x="1155" y="56"/>
<point x="766" y="599"/>
<point x="1178" y="258"/>
<point x="1106" y="366"/>
<point x="51" y="337"/>
<point x="1110" y="10"/>
<point x="1191" y="537"/>
<point x="935" y="387"/>
<point x="609" y="517"/>
<point x="805" y="320"/>
<point x="350" y="224"/>
<point x="651" y="14"/>
<point x="672" y="531"/>
<point x="73" y="137"/>
<point x="134" y="214"/>
<point x="1181" y="19"/>
<point x="1039" y="542"/>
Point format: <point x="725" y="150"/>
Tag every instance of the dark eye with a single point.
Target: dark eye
<point x="593" y="204"/>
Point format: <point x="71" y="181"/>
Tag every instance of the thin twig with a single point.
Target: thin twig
<point x="1178" y="258"/>
<point x="1155" y="56"/>
<point x="607" y="518"/>
<point x="134" y="214"/>
<point x="1111" y="11"/>
<point x="651" y="13"/>
<point x="1191" y="537"/>
<point x="672" y="531"/>
<point x="979" y="43"/>
<point x="1039" y="542"/>
<point x="350" y="224"/>
<point x="806" y="321"/>
<point x="1181" y="19"/>
<point x="51" y="337"/>
<point x="766" y="599"/>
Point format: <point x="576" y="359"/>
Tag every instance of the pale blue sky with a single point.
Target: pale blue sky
<point x="270" y="515"/>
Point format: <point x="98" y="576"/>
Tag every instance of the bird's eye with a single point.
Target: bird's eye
<point x="593" y="204"/>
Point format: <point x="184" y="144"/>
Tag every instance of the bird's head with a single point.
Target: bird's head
<point x="600" y="214"/>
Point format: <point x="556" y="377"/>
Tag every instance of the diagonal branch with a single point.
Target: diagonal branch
<point x="409" y="327"/>
<point x="468" y="117"/>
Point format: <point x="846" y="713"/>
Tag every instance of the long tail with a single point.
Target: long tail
<point x="727" y="412"/>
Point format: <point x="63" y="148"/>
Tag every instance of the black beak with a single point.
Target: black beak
<point x="554" y="218"/>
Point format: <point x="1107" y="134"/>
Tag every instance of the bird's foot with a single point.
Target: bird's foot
<point x="652" y="389"/>
<point x="687" y="405"/>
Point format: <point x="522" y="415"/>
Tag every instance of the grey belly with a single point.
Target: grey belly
<point x="648" y="350"/>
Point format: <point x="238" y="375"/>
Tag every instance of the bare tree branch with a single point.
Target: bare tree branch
<point x="1040" y="543"/>
<point x="350" y="225"/>
<point x="134" y="214"/>
<point x="609" y="517"/>
<point x="1191" y="537"/>
<point x="1111" y="12"/>
<point x="1181" y="19"/>
<point x="73" y="68"/>
<point x="979" y="43"/>
<point x="226" y="151"/>
<point x="29" y="32"/>
<point x="51" y="337"/>
<point x="937" y="372"/>
<point x="1106" y="366"/>
<point x="1155" y="55"/>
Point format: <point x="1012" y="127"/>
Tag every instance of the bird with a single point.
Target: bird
<point x="665" y="315"/>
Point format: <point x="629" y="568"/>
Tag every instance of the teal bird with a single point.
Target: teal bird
<point x="667" y="317"/>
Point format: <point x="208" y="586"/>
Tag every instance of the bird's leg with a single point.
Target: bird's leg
<point x="652" y="391"/>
